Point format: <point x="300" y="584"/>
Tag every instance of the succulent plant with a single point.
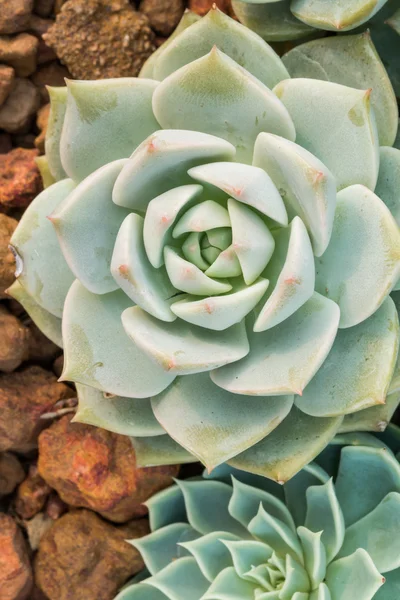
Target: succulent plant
<point x="331" y="533"/>
<point x="218" y="247"/>
<point x="283" y="20"/>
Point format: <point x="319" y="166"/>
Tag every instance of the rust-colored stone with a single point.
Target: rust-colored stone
<point x="95" y="468"/>
<point x="201" y="7"/>
<point x="55" y="507"/>
<point x="14" y="341"/>
<point x="52" y="74"/>
<point x="24" y="397"/>
<point x="20" y="179"/>
<point x="81" y="557"/>
<point x="163" y="15"/>
<point x="97" y="39"/>
<point x="31" y="495"/>
<point x="11" y="473"/>
<point x="14" y="15"/>
<point x="15" y="570"/>
<point x="7" y="263"/>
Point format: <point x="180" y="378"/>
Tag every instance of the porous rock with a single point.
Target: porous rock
<point x="31" y="495"/>
<point x="81" y="557"/>
<point x="163" y="15"/>
<point x="22" y="103"/>
<point x="94" y="468"/>
<point x="20" y="53"/>
<point x="97" y="39"/>
<point x="16" y="579"/>
<point x="25" y="396"/>
<point x="20" y="179"/>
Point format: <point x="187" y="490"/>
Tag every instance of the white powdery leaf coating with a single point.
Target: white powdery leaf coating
<point x="105" y="120"/>
<point x="209" y="94"/>
<point x="335" y="123"/>
<point x="362" y="263"/>
<point x="45" y="274"/>
<point x="340" y="15"/>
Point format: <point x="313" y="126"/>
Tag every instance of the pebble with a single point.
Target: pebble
<point x="82" y="557"/>
<point x="11" y="473"/>
<point x="7" y="76"/>
<point x="7" y="262"/>
<point x="14" y="341"/>
<point x="19" y="108"/>
<point x="14" y="15"/>
<point x="31" y="495"/>
<point x="163" y="15"/>
<point x="94" y="468"/>
<point x="20" y="53"/>
<point x="25" y="396"/>
<point x="43" y="8"/>
<point x="20" y="179"/>
<point x="16" y="579"/>
<point x="52" y="74"/>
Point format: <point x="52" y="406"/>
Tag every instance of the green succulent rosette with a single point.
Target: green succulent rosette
<point x="217" y="253"/>
<point x="331" y="533"/>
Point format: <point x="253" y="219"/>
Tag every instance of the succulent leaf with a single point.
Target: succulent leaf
<point x="362" y="262"/>
<point x="41" y="267"/>
<point x="126" y="416"/>
<point x="58" y="107"/>
<point x="87" y="223"/>
<point x="160" y="450"/>
<point x="213" y="424"/>
<point x="88" y="358"/>
<point x="350" y="60"/>
<point x="388" y="184"/>
<point x="351" y="152"/>
<point x="105" y="120"/>
<point x="340" y="15"/>
<point x="354" y="576"/>
<point x="210" y="92"/>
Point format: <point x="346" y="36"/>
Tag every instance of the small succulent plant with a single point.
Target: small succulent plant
<point x="331" y="533"/>
<point x="291" y="20"/>
<point x="223" y="240"/>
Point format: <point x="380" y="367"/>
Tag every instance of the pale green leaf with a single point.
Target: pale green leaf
<point x="229" y="586"/>
<point x="275" y="365"/>
<point x="105" y="120"/>
<point x="126" y="416"/>
<point x="375" y="418"/>
<point x="340" y="15"/>
<point x="211" y="553"/>
<point x="202" y="217"/>
<point x="314" y="555"/>
<point x="325" y="514"/>
<point x="180" y="580"/>
<point x="58" y="100"/>
<point x="337" y="125"/>
<point x="90" y="321"/>
<point x="388" y="185"/>
<point x="210" y="93"/>
<point x="357" y="373"/>
<point x="213" y="424"/>
<point x="353" y="577"/>
<point x="41" y="267"/>
<point x="155" y="451"/>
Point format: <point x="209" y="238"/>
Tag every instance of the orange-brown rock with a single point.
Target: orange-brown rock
<point x="97" y="39"/>
<point x="201" y="7"/>
<point x="20" y="179"/>
<point x="81" y="557"/>
<point x="7" y="263"/>
<point x="20" y="53"/>
<point x="14" y="341"/>
<point x="16" y="579"/>
<point x="95" y="468"/>
<point x="25" y="396"/>
<point x="11" y="473"/>
<point x="7" y="77"/>
<point x="14" y="15"/>
<point x="163" y="15"/>
<point x="31" y="495"/>
<point x="52" y="74"/>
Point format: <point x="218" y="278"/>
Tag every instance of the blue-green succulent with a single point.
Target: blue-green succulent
<point x="218" y="250"/>
<point x="331" y="533"/>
